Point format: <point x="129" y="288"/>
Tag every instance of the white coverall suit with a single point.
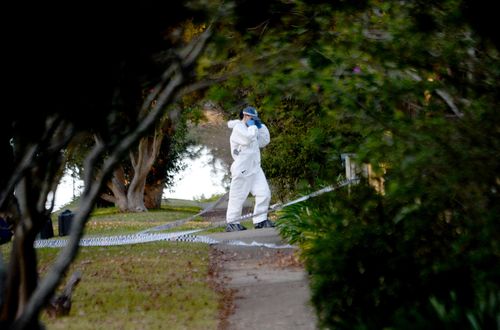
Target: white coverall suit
<point x="246" y="174"/>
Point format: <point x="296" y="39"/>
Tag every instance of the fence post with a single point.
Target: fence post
<point x="354" y="170"/>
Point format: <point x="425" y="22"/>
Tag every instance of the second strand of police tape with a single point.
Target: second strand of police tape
<point x="186" y="235"/>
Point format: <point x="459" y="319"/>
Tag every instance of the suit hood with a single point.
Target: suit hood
<point x="233" y="123"/>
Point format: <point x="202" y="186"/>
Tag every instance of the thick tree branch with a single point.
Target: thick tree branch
<point x="166" y="93"/>
<point x="449" y="101"/>
<point x="444" y="95"/>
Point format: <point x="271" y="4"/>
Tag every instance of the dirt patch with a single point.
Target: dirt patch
<point x="220" y="285"/>
<point x="282" y="259"/>
<point x="214" y="134"/>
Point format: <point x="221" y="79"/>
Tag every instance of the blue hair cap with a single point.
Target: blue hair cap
<point x="250" y="111"/>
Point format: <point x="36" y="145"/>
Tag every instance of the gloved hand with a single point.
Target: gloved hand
<point x="250" y="122"/>
<point x="258" y="123"/>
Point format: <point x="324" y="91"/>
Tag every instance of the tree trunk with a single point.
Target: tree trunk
<point x="157" y="177"/>
<point x="153" y="194"/>
<point x="22" y="278"/>
<point x="142" y="162"/>
<point x="117" y="185"/>
<point x="137" y="196"/>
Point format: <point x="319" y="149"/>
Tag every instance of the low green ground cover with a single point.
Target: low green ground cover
<point x="158" y="285"/>
<point x="108" y="221"/>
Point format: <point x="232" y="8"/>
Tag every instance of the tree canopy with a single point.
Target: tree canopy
<point x="410" y="87"/>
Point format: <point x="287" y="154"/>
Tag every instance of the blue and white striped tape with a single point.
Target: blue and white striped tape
<point x="146" y="236"/>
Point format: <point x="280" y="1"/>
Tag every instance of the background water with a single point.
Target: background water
<point x="199" y="178"/>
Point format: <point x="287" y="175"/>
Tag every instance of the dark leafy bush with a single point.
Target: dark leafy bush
<point x="371" y="268"/>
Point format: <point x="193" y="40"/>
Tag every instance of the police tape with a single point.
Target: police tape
<point x="279" y="206"/>
<point x="114" y="240"/>
<point x="272" y="208"/>
<point x="182" y="236"/>
<point x="146" y="236"/>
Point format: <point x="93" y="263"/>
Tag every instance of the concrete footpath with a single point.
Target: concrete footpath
<point x="268" y="286"/>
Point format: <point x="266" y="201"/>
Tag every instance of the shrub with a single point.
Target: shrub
<point x="373" y="268"/>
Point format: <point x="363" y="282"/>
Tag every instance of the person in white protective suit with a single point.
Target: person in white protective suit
<point x="249" y="135"/>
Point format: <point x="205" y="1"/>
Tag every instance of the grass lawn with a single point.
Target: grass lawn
<point x="158" y="285"/>
<point x="161" y="285"/>
<point x="108" y="221"/>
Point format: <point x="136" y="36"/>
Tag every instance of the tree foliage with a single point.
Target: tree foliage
<point x="410" y="87"/>
<point x="422" y="96"/>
